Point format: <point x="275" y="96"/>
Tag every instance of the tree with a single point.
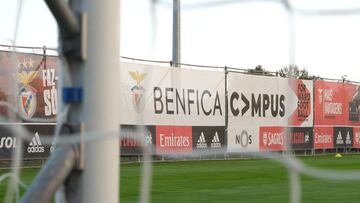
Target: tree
<point x="293" y="71"/>
<point x="259" y="70"/>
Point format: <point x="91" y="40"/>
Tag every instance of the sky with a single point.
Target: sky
<point x="239" y="34"/>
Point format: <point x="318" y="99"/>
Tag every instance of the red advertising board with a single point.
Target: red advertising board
<point x="272" y="138"/>
<point x="36" y="77"/>
<point x="323" y="138"/>
<point x="303" y="108"/>
<point x="336" y="103"/>
<point x="356" y="138"/>
<point x="173" y="139"/>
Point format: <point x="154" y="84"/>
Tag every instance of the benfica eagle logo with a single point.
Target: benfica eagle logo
<point x="138" y="91"/>
<point x="26" y="94"/>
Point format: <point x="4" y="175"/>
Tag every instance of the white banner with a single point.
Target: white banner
<point x="243" y="139"/>
<point x="263" y="101"/>
<point x="156" y="95"/>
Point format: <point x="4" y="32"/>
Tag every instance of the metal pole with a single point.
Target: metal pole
<point x="100" y="108"/>
<point x="51" y="177"/>
<point x="65" y="18"/>
<point x="97" y="79"/>
<point x="176" y="48"/>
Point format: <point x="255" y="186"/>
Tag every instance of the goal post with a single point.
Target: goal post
<point x="100" y="112"/>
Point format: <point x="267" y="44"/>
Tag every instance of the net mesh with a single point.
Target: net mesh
<point x="10" y="121"/>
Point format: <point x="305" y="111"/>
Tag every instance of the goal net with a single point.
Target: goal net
<point x="194" y="111"/>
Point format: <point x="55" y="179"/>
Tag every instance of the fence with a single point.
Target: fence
<point x="193" y="110"/>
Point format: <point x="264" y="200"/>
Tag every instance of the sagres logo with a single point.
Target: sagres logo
<point x="201" y="143"/>
<point x="215" y="142"/>
<point x="273" y="138"/>
<point x="35" y="145"/>
<point x="27" y="94"/>
<point x="138" y="91"/>
<point x="270" y="138"/>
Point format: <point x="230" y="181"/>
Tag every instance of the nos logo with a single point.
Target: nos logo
<point x="244" y="139"/>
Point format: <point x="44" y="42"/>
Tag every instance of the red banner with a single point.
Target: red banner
<point x="173" y="139"/>
<point x="323" y="138"/>
<point x="36" y="79"/>
<point x="356" y="138"/>
<point x="336" y="104"/>
<point x="303" y="109"/>
<point x="272" y="139"/>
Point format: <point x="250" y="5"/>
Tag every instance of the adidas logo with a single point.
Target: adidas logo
<point x="201" y="143"/>
<point x="215" y="142"/>
<point x="35" y="145"/>
<point x="348" y="140"/>
<point x="339" y="139"/>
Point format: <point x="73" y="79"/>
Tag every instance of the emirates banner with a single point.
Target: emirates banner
<point x="29" y="83"/>
<point x="323" y="138"/>
<point x="153" y="95"/>
<point x="262" y="109"/>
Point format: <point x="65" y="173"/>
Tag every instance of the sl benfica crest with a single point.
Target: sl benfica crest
<point x="27" y="94"/>
<point x="137" y="90"/>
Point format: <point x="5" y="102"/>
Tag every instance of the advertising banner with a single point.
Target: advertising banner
<point x="323" y="138"/>
<point x="133" y="137"/>
<point x="35" y="88"/>
<point x="260" y="100"/>
<point x="343" y="137"/>
<point x="155" y="95"/>
<point x="31" y="149"/>
<point x="272" y="139"/>
<point x="173" y="139"/>
<point x="208" y="138"/>
<point x="336" y="103"/>
<point x="243" y="139"/>
<point x="263" y="107"/>
<point x="301" y="137"/>
<point x="356" y="140"/>
<point x="281" y="138"/>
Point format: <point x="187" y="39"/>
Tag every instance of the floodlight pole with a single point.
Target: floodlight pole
<point x="176" y="44"/>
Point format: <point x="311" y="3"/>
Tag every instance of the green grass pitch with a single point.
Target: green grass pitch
<point x="255" y="180"/>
